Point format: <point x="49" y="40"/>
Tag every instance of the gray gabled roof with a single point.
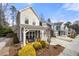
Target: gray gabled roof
<point x="58" y="23"/>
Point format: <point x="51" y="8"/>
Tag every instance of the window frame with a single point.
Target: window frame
<point x="26" y="21"/>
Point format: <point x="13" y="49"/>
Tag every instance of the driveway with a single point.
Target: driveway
<point x="3" y="42"/>
<point x="71" y="47"/>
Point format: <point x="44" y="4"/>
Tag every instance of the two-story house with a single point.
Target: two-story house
<point x="61" y="29"/>
<point x="29" y="26"/>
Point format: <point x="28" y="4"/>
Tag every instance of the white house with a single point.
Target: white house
<point x="60" y="29"/>
<point x="28" y="25"/>
<point x="56" y="27"/>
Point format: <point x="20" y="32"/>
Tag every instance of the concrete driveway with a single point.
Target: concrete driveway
<point x="3" y="42"/>
<point x="71" y="48"/>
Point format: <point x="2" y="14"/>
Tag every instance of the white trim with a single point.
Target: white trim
<point x="24" y="37"/>
<point x="31" y="27"/>
<point x="30" y="7"/>
<point x="24" y="9"/>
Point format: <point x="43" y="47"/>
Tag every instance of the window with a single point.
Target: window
<point x="26" y="21"/>
<point x="34" y="23"/>
<point x="57" y="27"/>
<point x="40" y="23"/>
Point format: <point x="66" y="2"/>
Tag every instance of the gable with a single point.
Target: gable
<point x="29" y="14"/>
<point x="30" y="8"/>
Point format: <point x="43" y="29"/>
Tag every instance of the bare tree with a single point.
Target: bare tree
<point x="3" y="8"/>
<point x="42" y="17"/>
<point x="13" y="14"/>
<point x="67" y="24"/>
<point x="49" y="20"/>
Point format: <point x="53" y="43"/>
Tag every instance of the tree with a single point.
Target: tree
<point x="13" y="14"/>
<point x="3" y="9"/>
<point x="67" y="24"/>
<point x="75" y="27"/>
<point x="49" y="20"/>
<point x="42" y="17"/>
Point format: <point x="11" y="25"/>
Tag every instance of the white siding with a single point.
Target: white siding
<point x="44" y="25"/>
<point x="28" y="14"/>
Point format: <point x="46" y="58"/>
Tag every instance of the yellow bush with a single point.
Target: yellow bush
<point x="38" y="40"/>
<point x="27" y="50"/>
<point x="37" y="45"/>
<point x="43" y="43"/>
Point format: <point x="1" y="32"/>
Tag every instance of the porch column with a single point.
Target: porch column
<point x="24" y="37"/>
<point x="42" y="35"/>
<point x="37" y="34"/>
<point x="20" y="35"/>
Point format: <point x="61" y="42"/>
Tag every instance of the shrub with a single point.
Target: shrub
<point x="72" y="35"/>
<point x="37" y="45"/>
<point x="43" y="43"/>
<point x="27" y="50"/>
<point x="38" y="40"/>
<point x="4" y="31"/>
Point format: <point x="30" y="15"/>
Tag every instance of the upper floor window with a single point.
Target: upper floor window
<point x="57" y="27"/>
<point x="34" y="23"/>
<point x="26" y="21"/>
<point x="40" y="23"/>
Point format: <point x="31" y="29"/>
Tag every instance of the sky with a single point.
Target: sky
<point x="57" y="12"/>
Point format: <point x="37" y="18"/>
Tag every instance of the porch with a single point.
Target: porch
<point x="30" y="33"/>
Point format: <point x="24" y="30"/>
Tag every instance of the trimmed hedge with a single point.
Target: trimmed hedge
<point x="43" y="43"/>
<point x="37" y="45"/>
<point x="27" y="50"/>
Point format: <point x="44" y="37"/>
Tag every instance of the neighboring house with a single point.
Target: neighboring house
<point x="29" y="26"/>
<point x="49" y="29"/>
<point x="76" y="22"/>
<point x="57" y="28"/>
<point x="60" y="29"/>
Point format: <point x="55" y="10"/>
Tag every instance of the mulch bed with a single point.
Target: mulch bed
<point x="52" y="50"/>
<point x="14" y="50"/>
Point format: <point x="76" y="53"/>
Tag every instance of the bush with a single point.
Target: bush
<point x="4" y="31"/>
<point x="72" y="35"/>
<point x="7" y="32"/>
<point x="38" y="40"/>
<point x="43" y="43"/>
<point x="27" y="50"/>
<point x="37" y="45"/>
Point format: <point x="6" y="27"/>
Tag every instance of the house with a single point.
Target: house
<point x="60" y="29"/>
<point x="49" y="29"/>
<point x="76" y="22"/>
<point x="57" y="28"/>
<point x="29" y="26"/>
